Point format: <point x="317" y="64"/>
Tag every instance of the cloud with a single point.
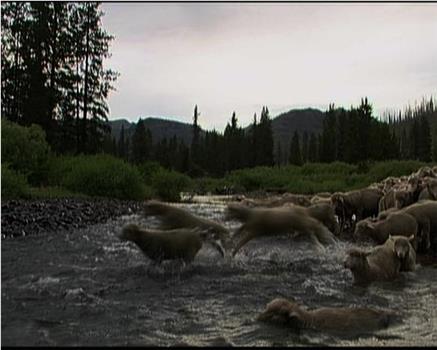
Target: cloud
<point x="227" y="57"/>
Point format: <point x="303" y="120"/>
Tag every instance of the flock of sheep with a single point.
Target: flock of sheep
<point x="398" y="214"/>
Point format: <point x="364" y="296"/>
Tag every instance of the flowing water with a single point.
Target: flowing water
<point x="86" y="287"/>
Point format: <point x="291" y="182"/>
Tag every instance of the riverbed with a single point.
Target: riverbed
<point x="85" y="287"/>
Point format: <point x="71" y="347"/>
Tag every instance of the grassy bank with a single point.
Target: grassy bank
<point x="31" y="170"/>
<point x="106" y="176"/>
<point x="309" y="178"/>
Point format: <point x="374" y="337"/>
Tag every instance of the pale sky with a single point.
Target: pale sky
<point x="239" y="57"/>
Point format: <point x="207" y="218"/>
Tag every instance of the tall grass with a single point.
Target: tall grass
<point x="313" y="177"/>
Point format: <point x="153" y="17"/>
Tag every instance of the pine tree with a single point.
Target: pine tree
<point x="312" y="148"/>
<point x="278" y="155"/>
<point x="141" y="143"/>
<point x="424" y="144"/>
<point x="122" y="144"/>
<point x="434" y="144"/>
<point x="305" y="145"/>
<point x="295" y="152"/>
<point x="265" y="139"/>
<point x="328" y="148"/>
<point x="196" y="138"/>
<point x="52" y="57"/>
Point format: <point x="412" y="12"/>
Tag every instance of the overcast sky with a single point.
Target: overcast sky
<point x="226" y="57"/>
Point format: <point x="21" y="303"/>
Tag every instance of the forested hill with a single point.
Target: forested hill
<point x="300" y="120"/>
<point x="160" y="128"/>
<point x="283" y="126"/>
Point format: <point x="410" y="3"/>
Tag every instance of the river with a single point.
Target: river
<point x="85" y="287"/>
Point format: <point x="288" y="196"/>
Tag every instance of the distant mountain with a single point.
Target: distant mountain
<point x="160" y="128"/>
<point x="283" y="126"/>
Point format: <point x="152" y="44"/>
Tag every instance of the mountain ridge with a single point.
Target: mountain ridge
<point x="283" y="126"/>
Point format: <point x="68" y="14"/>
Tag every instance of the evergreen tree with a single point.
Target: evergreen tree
<point x="305" y="145"/>
<point x="342" y="123"/>
<point x="295" y="152"/>
<point x="434" y="144"/>
<point x="278" y="155"/>
<point x="414" y="140"/>
<point x="312" y="148"/>
<point x="328" y="146"/>
<point x="52" y="59"/>
<point x="196" y="138"/>
<point x="424" y="141"/>
<point x="265" y="139"/>
<point x="141" y="143"/>
<point x="233" y="137"/>
<point x="364" y="121"/>
<point x="252" y="143"/>
<point x="122" y="144"/>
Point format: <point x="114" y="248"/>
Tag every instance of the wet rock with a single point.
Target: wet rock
<point x="31" y="217"/>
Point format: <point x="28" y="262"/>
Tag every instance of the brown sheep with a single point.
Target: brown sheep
<point x="405" y="252"/>
<point x="404" y="198"/>
<point x="425" y="213"/>
<point x="318" y="199"/>
<point x="429" y="190"/>
<point x="274" y="221"/>
<point x="387" y="201"/>
<point x="179" y="244"/>
<point x="361" y="203"/>
<point x="383" y="214"/>
<point x="379" y="264"/>
<point x="424" y="172"/>
<point x="277" y="201"/>
<point x="173" y="218"/>
<point x="324" y="212"/>
<point x="401" y="224"/>
<point x="338" y="319"/>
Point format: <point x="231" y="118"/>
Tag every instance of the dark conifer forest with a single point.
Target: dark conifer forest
<point x="53" y="75"/>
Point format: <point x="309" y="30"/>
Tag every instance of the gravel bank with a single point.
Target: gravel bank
<point x="30" y="217"/>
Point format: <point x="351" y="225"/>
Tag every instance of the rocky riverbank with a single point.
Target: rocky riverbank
<point x="30" y="217"/>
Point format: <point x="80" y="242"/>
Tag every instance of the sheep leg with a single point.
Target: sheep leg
<point x="318" y="246"/>
<point x="243" y="241"/>
<point x="239" y="231"/>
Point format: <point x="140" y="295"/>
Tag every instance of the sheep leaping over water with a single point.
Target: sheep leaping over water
<point x="275" y="221"/>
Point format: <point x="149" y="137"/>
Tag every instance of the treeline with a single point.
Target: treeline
<point x="356" y="136"/>
<point x="210" y="153"/>
<point x="53" y="73"/>
<point x="416" y="130"/>
<point x="353" y="136"/>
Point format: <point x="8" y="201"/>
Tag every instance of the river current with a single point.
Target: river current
<point x="86" y="287"/>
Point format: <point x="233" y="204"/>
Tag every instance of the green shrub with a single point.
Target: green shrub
<point x="339" y="168"/>
<point x="14" y="185"/>
<point x="25" y="149"/>
<point x="319" y="177"/>
<point x="212" y="185"/>
<point x="147" y="169"/>
<point x="59" y="168"/>
<point x="53" y="192"/>
<point x="168" y="184"/>
<point x="382" y="170"/>
<point x="102" y="175"/>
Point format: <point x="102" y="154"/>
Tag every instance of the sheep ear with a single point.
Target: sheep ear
<point x="390" y="237"/>
<point x="411" y="238"/>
